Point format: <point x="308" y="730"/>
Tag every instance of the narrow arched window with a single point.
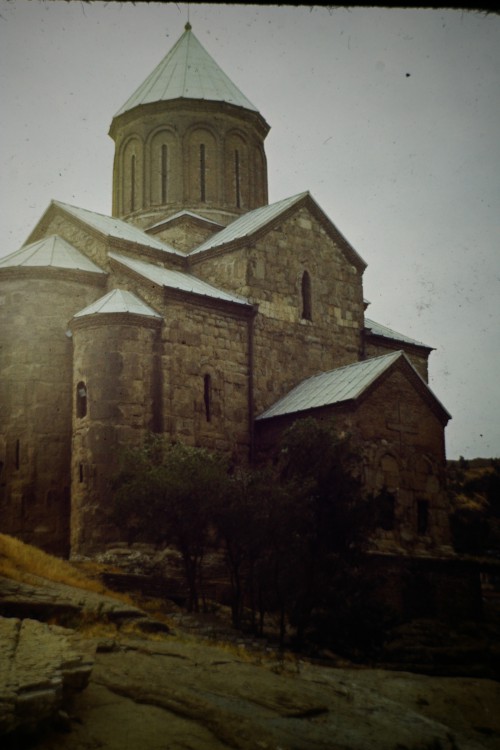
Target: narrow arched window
<point x="306" y="297"/>
<point x="164" y="173"/>
<point x="17" y="458"/>
<point x="237" y="178"/>
<point x="81" y="400"/>
<point x="422" y="517"/>
<point x="207" y="396"/>
<point x="203" y="175"/>
<point x="132" y="182"/>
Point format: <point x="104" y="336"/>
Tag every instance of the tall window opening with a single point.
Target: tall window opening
<point x="132" y="182"/>
<point x="386" y="505"/>
<point x="17" y="458"/>
<point x="207" y="396"/>
<point x="237" y="178"/>
<point x="81" y="400"/>
<point x="306" y="297"/>
<point x="203" y="176"/>
<point x="164" y="173"/>
<point x="422" y="517"/>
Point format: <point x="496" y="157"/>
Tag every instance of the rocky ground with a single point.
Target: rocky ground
<point x="176" y="693"/>
<point x="118" y="678"/>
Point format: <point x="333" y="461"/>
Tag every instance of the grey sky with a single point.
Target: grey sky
<point x="389" y="117"/>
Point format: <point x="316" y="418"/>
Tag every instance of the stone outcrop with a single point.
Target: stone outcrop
<point x="181" y="692"/>
<point x="39" y="670"/>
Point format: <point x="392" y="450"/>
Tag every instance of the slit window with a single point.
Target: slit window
<point x="17" y="457"/>
<point x="386" y="505"/>
<point x="422" y="517"/>
<point x="81" y="400"/>
<point x="164" y="173"/>
<point x="132" y="183"/>
<point x="237" y="177"/>
<point x="203" y="169"/>
<point x="207" y="396"/>
<point x="306" y="297"/>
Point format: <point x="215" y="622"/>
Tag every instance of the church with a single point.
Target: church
<point x="200" y="311"/>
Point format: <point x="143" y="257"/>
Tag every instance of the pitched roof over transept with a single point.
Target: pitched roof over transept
<point x="260" y="218"/>
<point x="183" y="282"/>
<point x="343" y="384"/>
<point x="188" y="71"/>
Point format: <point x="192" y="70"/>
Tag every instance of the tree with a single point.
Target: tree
<point x="326" y="518"/>
<point x="165" y="493"/>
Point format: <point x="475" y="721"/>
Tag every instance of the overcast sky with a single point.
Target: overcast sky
<point x="389" y="117"/>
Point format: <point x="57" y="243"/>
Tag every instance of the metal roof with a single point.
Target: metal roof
<point x="379" y="330"/>
<point x="187" y="72"/>
<point x="116" y="228"/>
<point x="180" y="215"/>
<point x="333" y="387"/>
<point x="184" y="282"/>
<point x="247" y="224"/>
<point x="52" y="251"/>
<point x="118" y="301"/>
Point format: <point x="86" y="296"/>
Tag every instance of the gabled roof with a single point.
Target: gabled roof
<point x="53" y="252"/>
<point x="377" y="329"/>
<point x="247" y="224"/>
<point x="115" y="228"/>
<point x="183" y="282"/>
<point x="187" y="72"/>
<point x="340" y="385"/>
<point x="184" y="215"/>
<point x="118" y="301"/>
<point x="250" y="223"/>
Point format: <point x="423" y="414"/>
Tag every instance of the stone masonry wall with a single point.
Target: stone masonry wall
<point x="400" y="444"/>
<point x="375" y="348"/>
<point x="205" y="377"/>
<point x="35" y="402"/>
<point x="115" y="363"/>
<point x="199" y="339"/>
<point x="288" y="348"/>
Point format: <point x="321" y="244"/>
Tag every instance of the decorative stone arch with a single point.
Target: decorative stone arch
<point x="201" y="148"/>
<point x="260" y="193"/>
<point x="132" y="175"/>
<point x="236" y="170"/>
<point x="163" y="166"/>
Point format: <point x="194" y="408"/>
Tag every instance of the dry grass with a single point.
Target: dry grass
<point x="25" y="563"/>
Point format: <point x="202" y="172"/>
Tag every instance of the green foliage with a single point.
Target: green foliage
<point x="165" y="493"/>
<point x="474" y="488"/>
<point x="289" y="532"/>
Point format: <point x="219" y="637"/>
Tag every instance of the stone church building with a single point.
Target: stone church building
<point x="201" y="311"/>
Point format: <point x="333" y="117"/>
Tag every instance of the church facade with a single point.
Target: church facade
<point x="203" y="312"/>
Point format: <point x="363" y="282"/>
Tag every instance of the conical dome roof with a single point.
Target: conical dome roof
<point x="187" y="72"/>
